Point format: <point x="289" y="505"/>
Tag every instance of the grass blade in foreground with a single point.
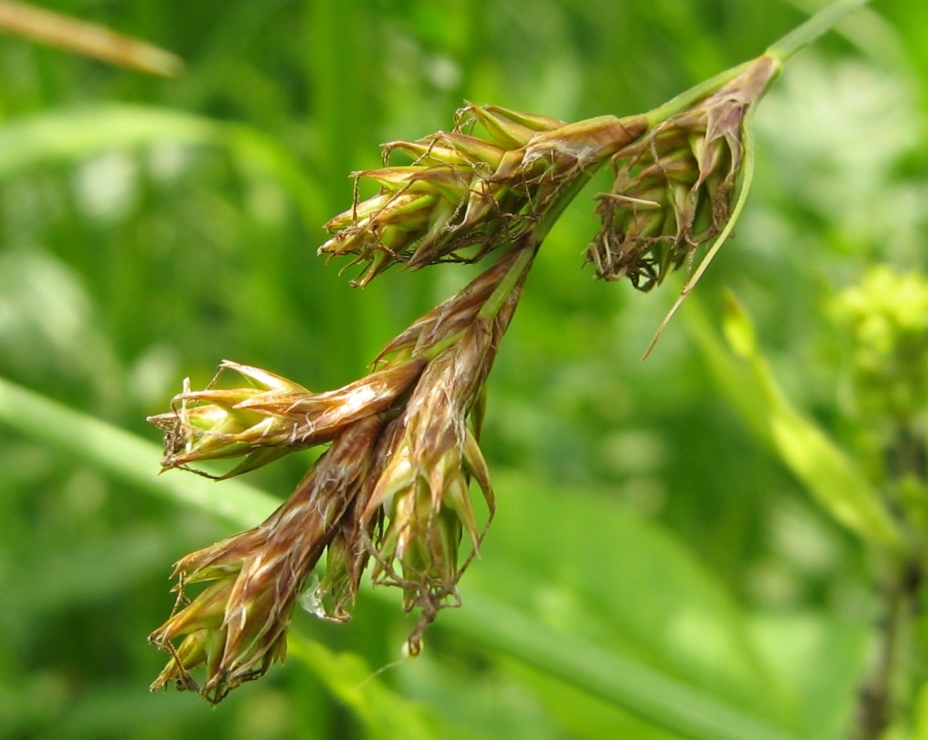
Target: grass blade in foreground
<point x="670" y="704"/>
<point x="124" y="456"/>
<point x="489" y="624"/>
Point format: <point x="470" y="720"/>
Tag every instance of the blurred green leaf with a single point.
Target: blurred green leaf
<point x="71" y="135"/>
<point x="821" y="657"/>
<point x="581" y="569"/>
<point x="384" y="713"/>
<point x="64" y="136"/>
<point x="627" y="683"/>
<point x="832" y="478"/>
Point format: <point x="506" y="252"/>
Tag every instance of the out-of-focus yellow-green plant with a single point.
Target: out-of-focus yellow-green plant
<point x="876" y="485"/>
<point x="885" y="317"/>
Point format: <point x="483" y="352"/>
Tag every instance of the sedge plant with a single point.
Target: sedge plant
<point x="402" y="489"/>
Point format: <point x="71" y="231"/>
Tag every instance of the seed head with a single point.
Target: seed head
<point x="464" y="196"/>
<point x="394" y="486"/>
<point x="674" y="188"/>
<point x="236" y="627"/>
<point x="421" y="506"/>
<point x="423" y="494"/>
<point x="271" y="417"/>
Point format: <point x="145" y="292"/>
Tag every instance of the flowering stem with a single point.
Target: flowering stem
<point x="532" y="242"/>
<point x="886" y="686"/>
<point x="780" y="51"/>
<point x="696" y="93"/>
<point x="817" y="25"/>
<point x="877" y="699"/>
<point x="515" y="273"/>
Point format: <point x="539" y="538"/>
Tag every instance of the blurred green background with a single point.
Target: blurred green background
<point x="150" y="228"/>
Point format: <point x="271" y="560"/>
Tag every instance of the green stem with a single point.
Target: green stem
<point x="781" y="50"/>
<point x="530" y="244"/>
<point x="433" y="350"/>
<point x="692" y="96"/>
<point x="877" y="694"/>
<point x="817" y="25"/>
<point x="514" y="274"/>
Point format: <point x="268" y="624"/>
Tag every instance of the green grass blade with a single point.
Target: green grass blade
<point x="63" y="136"/>
<point x="489" y="623"/>
<point x="629" y="684"/>
<point x="126" y="457"/>
<point x="384" y="713"/>
<point x="74" y="134"/>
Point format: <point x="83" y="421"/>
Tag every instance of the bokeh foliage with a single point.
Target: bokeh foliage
<point x="150" y="228"/>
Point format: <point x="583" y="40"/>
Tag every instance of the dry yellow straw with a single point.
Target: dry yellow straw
<point x="88" y="39"/>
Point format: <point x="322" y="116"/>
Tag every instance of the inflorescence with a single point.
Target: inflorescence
<point x="402" y="487"/>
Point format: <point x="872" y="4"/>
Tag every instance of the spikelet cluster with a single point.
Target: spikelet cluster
<point x="394" y="486"/>
<point x="236" y="626"/>
<point x="403" y="489"/>
<point x="462" y="195"/>
<point x="674" y="188"/>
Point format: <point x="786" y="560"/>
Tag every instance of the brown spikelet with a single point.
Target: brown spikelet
<point x="674" y="188"/>
<point x="271" y="417"/>
<point x="236" y="627"/>
<point x="394" y="486"/>
<point x="463" y="196"/>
